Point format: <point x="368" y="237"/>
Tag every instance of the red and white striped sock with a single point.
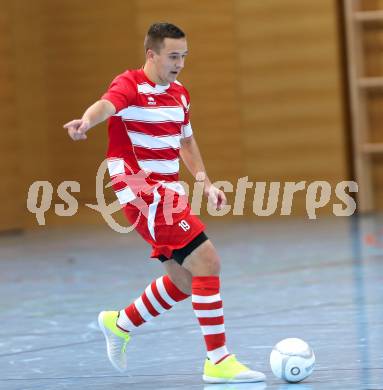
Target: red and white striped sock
<point x="160" y="296"/>
<point x="208" y="308"/>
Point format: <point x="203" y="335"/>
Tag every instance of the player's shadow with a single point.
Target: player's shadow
<point x="237" y="386"/>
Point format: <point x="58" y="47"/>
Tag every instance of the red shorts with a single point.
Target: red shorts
<point x="164" y="219"/>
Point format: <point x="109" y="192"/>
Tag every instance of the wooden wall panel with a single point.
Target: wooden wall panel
<point x="378" y="181"/>
<point x="86" y="45"/>
<point x="369" y="5"/>
<point x="30" y="98"/>
<point x="373" y="49"/>
<point x="373" y="60"/>
<point x="375" y="115"/>
<point x="63" y="56"/>
<point x="10" y="164"/>
<point x="291" y="97"/>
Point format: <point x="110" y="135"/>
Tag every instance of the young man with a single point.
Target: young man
<point x="149" y="128"/>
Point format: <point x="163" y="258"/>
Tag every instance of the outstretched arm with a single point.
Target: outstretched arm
<point x="95" y="114"/>
<point x="192" y="158"/>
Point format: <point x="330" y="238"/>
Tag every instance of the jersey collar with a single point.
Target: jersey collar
<point x="157" y="87"/>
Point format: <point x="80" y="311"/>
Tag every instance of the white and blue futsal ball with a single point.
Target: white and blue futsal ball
<point x="292" y="360"/>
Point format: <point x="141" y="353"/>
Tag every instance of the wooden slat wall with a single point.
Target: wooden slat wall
<point x="292" y="123"/>
<point x="373" y="44"/>
<point x="369" y="5"/>
<point x="30" y="97"/>
<point x="75" y="49"/>
<point x="376" y="135"/>
<point x="263" y="76"/>
<point x="10" y="164"/>
<point x="102" y="42"/>
<point x="97" y="46"/>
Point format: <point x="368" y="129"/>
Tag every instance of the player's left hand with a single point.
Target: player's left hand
<point x="215" y="196"/>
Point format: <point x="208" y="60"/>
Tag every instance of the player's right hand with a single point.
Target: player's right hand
<point x="77" y="129"/>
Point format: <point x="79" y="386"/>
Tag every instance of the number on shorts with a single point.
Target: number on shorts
<point x="184" y="225"/>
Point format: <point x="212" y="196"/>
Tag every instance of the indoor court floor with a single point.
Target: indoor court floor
<point x="321" y="281"/>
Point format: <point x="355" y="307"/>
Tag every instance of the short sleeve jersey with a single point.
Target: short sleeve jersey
<point x="150" y="121"/>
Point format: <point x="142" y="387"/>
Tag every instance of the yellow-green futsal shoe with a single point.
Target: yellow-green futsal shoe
<point x="230" y="370"/>
<point x="116" y="339"/>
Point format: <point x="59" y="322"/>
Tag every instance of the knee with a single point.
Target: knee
<point x="205" y="261"/>
<point x="179" y="276"/>
<point x="213" y="262"/>
<point x="183" y="283"/>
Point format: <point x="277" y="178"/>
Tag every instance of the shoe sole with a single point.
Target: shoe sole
<point x="211" y="379"/>
<point x="105" y="332"/>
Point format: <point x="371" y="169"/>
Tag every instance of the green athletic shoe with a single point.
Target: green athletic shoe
<point x="230" y="370"/>
<point x="116" y="339"/>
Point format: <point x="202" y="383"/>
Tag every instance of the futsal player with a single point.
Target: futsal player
<point x="149" y="130"/>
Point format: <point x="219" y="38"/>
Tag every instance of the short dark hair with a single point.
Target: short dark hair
<point x="158" y="32"/>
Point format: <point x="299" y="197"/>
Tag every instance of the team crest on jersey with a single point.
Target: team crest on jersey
<point x="151" y="101"/>
<point x="184" y="101"/>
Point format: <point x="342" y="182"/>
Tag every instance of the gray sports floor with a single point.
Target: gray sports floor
<point x="317" y="280"/>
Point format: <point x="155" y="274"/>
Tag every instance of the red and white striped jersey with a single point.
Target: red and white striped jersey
<point x="149" y="123"/>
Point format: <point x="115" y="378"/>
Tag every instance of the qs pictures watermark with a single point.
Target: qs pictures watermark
<point x="265" y="197"/>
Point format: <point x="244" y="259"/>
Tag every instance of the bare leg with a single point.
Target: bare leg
<point x="203" y="261"/>
<point x="179" y="275"/>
